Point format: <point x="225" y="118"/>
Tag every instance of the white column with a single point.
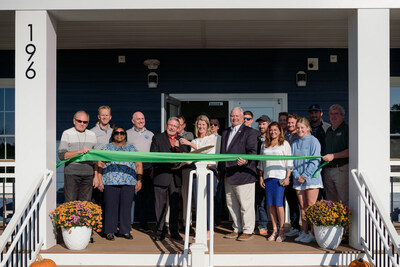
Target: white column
<point x="35" y="109"/>
<point x="369" y="95"/>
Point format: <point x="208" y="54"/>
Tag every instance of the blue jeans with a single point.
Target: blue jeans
<point x="260" y="206"/>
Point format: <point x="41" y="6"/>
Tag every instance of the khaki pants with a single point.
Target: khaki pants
<point x="336" y="183"/>
<point x="240" y="202"/>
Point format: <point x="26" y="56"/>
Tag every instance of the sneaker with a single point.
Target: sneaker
<point x="308" y="238"/>
<point x="261" y="231"/>
<point x="300" y="237"/>
<point x="293" y="232"/>
<point x="232" y="235"/>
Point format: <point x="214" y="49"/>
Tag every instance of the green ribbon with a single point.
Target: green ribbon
<point x="166" y="157"/>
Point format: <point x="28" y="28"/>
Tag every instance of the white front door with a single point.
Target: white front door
<point x="269" y="107"/>
<point x="259" y="104"/>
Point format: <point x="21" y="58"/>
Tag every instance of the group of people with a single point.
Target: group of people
<point x="248" y="186"/>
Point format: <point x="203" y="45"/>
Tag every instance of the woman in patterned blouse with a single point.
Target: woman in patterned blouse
<point x="119" y="180"/>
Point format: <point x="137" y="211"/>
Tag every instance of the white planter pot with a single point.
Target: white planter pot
<point x="77" y="238"/>
<point x="328" y="236"/>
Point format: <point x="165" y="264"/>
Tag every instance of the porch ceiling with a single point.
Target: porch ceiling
<point x="185" y="29"/>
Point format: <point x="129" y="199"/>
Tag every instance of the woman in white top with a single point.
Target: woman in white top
<point x="202" y="131"/>
<point x="274" y="176"/>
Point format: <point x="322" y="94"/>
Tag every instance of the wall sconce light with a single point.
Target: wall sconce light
<point x="152" y="77"/>
<point x="301" y="79"/>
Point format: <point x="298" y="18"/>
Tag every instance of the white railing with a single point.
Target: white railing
<point x="199" y="248"/>
<point x="21" y="240"/>
<point x="379" y="239"/>
<point x="7" y="188"/>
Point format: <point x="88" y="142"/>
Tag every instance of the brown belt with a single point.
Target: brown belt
<point x="336" y="165"/>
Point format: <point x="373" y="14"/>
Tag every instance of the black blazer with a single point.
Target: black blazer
<point x="244" y="142"/>
<point x="163" y="173"/>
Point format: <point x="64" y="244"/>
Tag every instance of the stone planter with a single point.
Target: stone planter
<point x="328" y="236"/>
<point x="77" y="238"/>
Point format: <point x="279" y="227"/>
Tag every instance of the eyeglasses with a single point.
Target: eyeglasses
<point x="247" y="118"/>
<point x="213" y="124"/>
<point x="119" y="133"/>
<point x="175" y="126"/>
<point x="79" y="121"/>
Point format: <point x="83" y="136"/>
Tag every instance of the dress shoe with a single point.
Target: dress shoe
<point x="176" y="237"/>
<point x="126" y="236"/>
<point x="144" y="228"/>
<point x="159" y="238"/>
<point x="110" y="237"/>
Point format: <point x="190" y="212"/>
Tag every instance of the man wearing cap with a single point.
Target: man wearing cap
<point x="261" y="229"/>
<point x="318" y="126"/>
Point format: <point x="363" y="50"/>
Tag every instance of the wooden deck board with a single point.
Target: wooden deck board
<point x="144" y="244"/>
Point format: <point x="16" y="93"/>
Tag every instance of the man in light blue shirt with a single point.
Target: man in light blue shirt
<point x="141" y="138"/>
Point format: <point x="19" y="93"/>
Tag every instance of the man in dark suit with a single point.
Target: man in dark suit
<point x="167" y="179"/>
<point x="240" y="176"/>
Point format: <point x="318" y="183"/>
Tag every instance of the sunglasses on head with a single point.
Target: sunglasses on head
<point x="119" y="133"/>
<point x="247" y="118"/>
<point x="79" y="121"/>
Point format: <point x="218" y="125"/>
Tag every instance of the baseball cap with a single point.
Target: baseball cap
<point x="314" y="107"/>
<point x="264" y="118"/>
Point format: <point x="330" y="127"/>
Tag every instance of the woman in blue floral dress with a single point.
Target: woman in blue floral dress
<point x="119" y="180"/>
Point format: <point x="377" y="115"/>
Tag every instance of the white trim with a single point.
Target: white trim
<point x="206" y="4"/>
<point x="228" y="97"/>
<point x="7" y="83"/>
<point x="297" y="259"/>
<point x="163" y="112"/>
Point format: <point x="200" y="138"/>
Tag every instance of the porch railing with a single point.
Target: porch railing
<point x="377" y="234"/>
<point x="21" y="240"/>
<point x="394" y="189"/>
<point x="7" y="188"/>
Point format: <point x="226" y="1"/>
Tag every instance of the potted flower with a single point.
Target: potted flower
<point x="329" y="220"/>
<point x="77" y="219"/>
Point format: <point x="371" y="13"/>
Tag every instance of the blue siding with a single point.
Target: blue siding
<point x="87" y="79"/>
<point x="90" y="78"/>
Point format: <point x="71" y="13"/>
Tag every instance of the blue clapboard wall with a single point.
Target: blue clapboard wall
<point x="90" y="78"/>
<point x="87" y="79"/>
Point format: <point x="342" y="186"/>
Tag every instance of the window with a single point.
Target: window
<point x="7" y="123"/>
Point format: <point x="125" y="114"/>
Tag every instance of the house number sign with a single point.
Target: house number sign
<point x="30" y="49"/>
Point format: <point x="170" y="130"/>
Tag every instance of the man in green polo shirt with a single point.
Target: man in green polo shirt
<point x="336" y="177"/>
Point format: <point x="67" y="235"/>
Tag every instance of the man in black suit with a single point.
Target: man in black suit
<point x="167" y="180"/>
<point x="240" y="176"/>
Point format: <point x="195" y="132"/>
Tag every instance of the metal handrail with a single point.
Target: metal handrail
<point x="384" y="230"/>
<point x="17" y="229"/>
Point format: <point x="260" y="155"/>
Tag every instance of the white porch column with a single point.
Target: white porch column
<point x="369" y="95"/>
<point x="35" y="109"/>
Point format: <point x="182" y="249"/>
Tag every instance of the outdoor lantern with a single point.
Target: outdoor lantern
<point x="152" y="77"/>
<point x="301" y="79"/>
